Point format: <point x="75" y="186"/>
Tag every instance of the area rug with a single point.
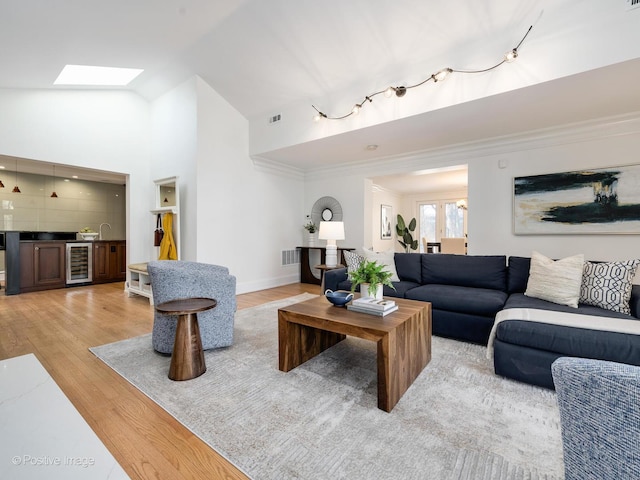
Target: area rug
<point x="320" y="421"/>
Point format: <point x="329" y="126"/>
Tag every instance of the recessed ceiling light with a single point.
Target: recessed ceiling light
<point x="99" y="76"/>
<point x="371" y="148"/>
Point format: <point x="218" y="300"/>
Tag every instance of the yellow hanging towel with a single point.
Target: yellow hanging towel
<point x="167" y="246"/>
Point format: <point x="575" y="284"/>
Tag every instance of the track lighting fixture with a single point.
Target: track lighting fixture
<point x="439" y="76"/>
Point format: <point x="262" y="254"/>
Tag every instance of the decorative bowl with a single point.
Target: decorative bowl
<point x="339" y="299"/>
<point x="89" y="235"/>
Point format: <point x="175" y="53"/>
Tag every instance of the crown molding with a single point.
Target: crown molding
<point x="609" y="127"/>
<point x="273" y="167"/>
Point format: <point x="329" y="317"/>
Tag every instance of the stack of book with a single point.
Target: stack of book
<point x="373" y="306"/>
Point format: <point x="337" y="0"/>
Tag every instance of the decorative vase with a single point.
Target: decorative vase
<point x="364" y="291"/>
<point x="312" y="239"/>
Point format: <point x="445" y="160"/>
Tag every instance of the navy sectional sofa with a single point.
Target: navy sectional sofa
<point x="466" y="292"/>
<point x="525" y="350"/>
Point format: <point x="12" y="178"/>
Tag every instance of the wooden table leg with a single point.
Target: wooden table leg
<point x="402" y="355"/>
<point x="298" y="343"/>
<point x="187" y="360"/>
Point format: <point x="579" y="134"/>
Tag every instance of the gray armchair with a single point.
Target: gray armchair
<point x="176" y="279"/>
<point x="600" y="418"/>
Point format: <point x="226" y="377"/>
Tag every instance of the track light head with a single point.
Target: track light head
<point x="441" y="75"/>
<point x="401" y="91"/>
<point x="511" y="56"/>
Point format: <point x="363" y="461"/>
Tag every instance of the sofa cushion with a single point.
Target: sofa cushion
<point x="518" y="274"/>
<point x="571" y="341"/>
<point x="519" y="300"/>
<point x="383" y="258"/>
<point x="477" y="301"/>
<point x="556" y="281"/>
<point x="465" y="270"/>
<point x="409" y="267"/>
<point x="608" y="285"/>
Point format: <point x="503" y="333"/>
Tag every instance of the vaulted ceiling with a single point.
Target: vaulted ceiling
<point x="264" y="55"/>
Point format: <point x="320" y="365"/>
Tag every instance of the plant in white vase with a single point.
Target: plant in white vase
<point x="311" y="228"/>
<point x="374" y="276"/>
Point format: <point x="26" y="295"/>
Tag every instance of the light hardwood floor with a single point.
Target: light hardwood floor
<point x="59" y="326"/>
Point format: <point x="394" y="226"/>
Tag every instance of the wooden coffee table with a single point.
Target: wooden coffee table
<point x="403" y="337"/>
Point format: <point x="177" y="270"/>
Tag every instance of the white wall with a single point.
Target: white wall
<point x="245" y="216"/>
<point x="100" y="130"/>
<point x="353" y="192"/>
<point x="607" y="144"/>
<point x="174" y="142"/>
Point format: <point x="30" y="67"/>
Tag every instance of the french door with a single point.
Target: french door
<point x="440" y="218"/>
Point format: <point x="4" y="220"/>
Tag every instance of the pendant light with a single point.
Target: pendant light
<point x="54" y="194"/>
<point x="16" y="189"/>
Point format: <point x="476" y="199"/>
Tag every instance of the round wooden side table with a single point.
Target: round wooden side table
<point x="187" y="359"/>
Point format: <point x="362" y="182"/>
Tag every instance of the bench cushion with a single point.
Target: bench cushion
<point x="571" y="341"/>
<point x="476" y="301"/>
<point x="519" y="300"/>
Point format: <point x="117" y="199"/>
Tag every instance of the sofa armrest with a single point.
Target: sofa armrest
<point x="599" y="416"/>
<point x="634" y="303"/>
<point x="332" y="278"/>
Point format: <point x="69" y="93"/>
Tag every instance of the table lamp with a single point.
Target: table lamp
<point x="331" y="231"/>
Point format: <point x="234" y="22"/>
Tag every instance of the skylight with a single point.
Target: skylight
<point x="96" y="76"/>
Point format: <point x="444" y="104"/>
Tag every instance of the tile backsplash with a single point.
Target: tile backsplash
<point x="79" y="204"/>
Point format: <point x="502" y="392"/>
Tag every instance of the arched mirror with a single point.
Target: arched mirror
<point x="327" y="215"/>
<point x="326" y="209"/>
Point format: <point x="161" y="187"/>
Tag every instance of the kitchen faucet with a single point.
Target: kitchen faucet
<point x="100" y="229"/>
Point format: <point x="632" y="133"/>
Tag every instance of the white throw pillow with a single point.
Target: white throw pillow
<point x="608" y="285"/>
<point x="556" y="281"/>
<point x="383" y="258"/>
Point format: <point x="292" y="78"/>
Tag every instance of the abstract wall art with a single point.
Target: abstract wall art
<point x="594" y="201"/>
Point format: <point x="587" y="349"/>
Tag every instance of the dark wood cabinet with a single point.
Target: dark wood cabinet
<point x="42" y="266"/>
<point x="306" y="274"/>
<point x="109" y="261"/>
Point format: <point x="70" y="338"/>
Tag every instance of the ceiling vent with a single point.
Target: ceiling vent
<point x="278" y="117"/>
<point x="632" y="4"/>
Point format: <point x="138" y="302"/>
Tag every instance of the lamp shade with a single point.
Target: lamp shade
<point x="331" y="231"/>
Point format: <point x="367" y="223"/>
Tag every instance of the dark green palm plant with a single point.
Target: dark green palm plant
<point x="403" y="231"/>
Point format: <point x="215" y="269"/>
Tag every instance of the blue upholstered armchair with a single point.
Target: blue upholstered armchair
<point x="176" y="279"/>
<point x="600" y="417"/>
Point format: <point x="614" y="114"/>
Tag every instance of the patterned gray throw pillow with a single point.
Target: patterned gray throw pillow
<point x="353" y="261"/>
<point x="608" y="285"/>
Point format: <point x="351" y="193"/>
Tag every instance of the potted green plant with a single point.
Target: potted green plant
<point x="404" y="231"/>
<point x="373" y="275"/>
<point x="311" y="228"/>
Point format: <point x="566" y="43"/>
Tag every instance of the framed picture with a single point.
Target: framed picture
<point x="595" y="201"/>
<point x="386" y="217"/>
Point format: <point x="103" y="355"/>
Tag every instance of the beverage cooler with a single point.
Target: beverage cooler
<point x="79" y="263"/>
